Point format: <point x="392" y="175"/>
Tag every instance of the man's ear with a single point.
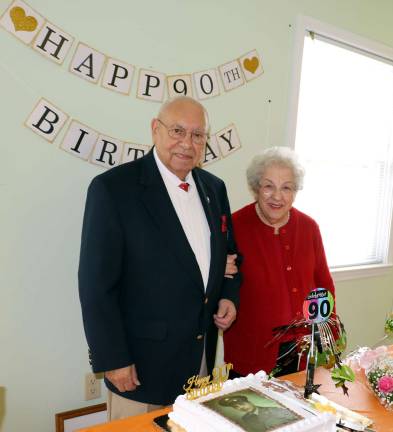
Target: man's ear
<point x="154" y="125"/>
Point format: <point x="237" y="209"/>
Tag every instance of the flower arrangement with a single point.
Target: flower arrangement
<point x="380" y="378"/>
<point x="377" y="365"/>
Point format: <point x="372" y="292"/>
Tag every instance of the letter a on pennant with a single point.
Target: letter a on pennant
<point x="212" y="152"/>
<point x="87" y="63"/>
<point x="46" y="120"/>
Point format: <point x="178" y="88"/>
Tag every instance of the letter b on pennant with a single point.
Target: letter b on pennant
<point x="46" y="120"/>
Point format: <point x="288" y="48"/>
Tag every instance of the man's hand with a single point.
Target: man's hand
<point x="124" y="379"/>
<point x="231" y="267"/>
<point x="225" y="315"/>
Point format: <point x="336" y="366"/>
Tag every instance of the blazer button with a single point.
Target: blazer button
<point x="199" y="337"/>
<point x="206" y="300"/>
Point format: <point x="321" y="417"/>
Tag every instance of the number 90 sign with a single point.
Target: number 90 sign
<point x="318" y="305"/>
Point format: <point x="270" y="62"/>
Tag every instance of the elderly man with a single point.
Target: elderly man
<point x="155" y="240"/>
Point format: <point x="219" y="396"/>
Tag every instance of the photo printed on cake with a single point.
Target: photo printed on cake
<point x="252" y="410"/>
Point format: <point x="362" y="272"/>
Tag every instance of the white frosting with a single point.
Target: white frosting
<point x="194" y="417"/>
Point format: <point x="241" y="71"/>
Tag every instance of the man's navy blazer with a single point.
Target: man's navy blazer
<point x="141" y="290"/>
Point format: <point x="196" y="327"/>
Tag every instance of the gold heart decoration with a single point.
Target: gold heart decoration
<point x="21" y="21"/>
<point x="251" y="65"/>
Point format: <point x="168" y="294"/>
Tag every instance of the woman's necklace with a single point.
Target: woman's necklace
<point x="266" y="222"/>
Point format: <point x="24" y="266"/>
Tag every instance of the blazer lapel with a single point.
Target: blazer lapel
<point x="156" y="199"/>
<point x="212" y="214"/>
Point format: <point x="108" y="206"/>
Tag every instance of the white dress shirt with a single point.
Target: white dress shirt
<point x="192" y="217"/>
<point x="191" y="214"/>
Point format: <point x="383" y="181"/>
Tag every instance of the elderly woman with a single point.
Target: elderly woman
<point x="283" y="260"/>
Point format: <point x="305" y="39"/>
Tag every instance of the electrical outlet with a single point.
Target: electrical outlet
<point x="92" y="386"/>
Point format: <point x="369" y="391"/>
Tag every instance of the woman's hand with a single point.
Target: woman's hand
<point x="231" y="267"/>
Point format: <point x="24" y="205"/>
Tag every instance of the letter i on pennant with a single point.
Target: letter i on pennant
<point x="79" y="140"/>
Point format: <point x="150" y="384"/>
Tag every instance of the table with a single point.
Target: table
<point x="361" y="399"/>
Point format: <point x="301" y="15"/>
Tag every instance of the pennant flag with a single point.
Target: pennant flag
<point x="228" y="140"/>
<point x="22" y="21"/>
<point x="231" y="75"/>
<point x="206" y="84"/>
<point x="151" y="85"/>
<point x="79" y="140"/>
<point x="46" y="120"/>
<point x="107" y="152"/>
<point x="53" y="43"/>
<point x="87" y="63"/>
<point x="179" y="85"/>
<point x="133" y="151"/>
<point x="212" y="152"/>
<point x="251" y="65"/>
<point x="118" y="76"/>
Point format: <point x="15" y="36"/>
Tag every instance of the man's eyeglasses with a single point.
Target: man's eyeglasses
<point x="178" y="132"/>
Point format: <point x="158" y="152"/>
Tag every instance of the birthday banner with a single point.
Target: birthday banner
<point x="93" y="146"/>
<point x="92" y="65"/>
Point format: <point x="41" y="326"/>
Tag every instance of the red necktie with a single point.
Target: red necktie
<point x="184" y="186"/>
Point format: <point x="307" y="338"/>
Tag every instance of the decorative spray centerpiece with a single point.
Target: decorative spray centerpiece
<point x="324" y="343"/>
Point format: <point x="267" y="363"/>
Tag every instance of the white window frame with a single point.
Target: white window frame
<point x="305" y="25"/>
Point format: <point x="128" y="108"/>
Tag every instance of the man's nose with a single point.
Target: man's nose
<point x="187" y="140"/>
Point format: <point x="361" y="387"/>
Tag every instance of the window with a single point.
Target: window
<point x="343" y="134"/>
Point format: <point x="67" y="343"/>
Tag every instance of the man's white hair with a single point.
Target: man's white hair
<point x="167" y="104"/>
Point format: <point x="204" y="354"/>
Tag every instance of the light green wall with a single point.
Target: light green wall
<point x="43" y="354"/>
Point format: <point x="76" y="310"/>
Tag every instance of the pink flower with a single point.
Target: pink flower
<point x="367" y="359"/>
<point x="385" y="384"/>
<point x="381" y="350"/>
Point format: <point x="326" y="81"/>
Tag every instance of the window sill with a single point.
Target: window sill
<point x="359" y="272"/>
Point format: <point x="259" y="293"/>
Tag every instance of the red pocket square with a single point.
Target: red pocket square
<point x="224" y="227"/>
